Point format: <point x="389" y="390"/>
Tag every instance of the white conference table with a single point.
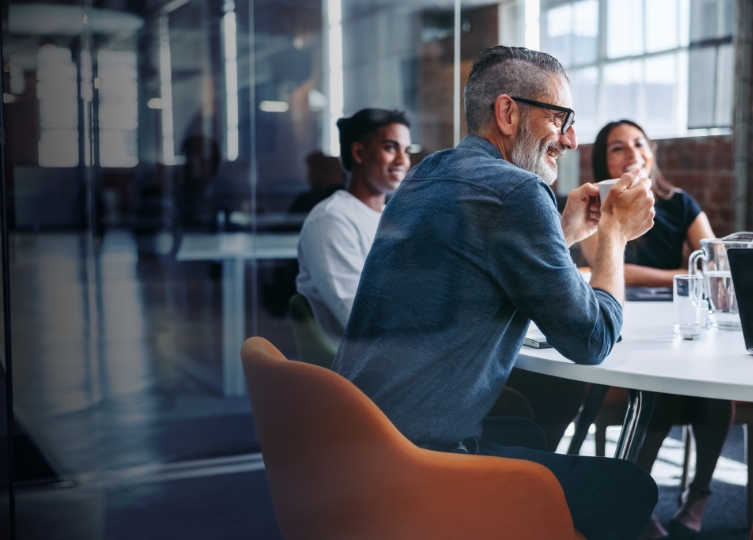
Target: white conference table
<point x="649" y="359"/>
<point x="233" y="250"/>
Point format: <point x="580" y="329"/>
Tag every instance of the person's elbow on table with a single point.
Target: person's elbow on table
<point x="590" y="350"/>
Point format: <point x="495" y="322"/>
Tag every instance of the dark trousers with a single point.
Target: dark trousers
<point x="554" y="401"/>
<point x="609" y="499"/>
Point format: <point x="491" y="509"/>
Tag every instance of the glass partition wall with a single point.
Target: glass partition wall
<point x="150" y="147"/>
<point x="160" y="159"/>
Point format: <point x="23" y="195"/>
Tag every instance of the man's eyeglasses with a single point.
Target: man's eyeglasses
<point x="568" y="121"/>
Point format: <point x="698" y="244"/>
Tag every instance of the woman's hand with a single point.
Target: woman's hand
<point x="645" y="276"/>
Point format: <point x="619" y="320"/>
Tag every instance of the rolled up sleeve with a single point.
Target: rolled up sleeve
<point x="529" y="259"/>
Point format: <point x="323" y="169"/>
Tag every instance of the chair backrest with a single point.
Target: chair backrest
<point x="324" y="442"/>
<point x="312" y="344"/>
<point x="338" y="469"/>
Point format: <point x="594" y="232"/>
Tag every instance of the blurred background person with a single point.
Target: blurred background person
<point x="325" y="175"/>
<point x="651" y="261"/>
<point x="194" y="207"/>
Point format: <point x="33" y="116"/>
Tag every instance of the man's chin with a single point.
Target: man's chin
<point x="547" y="173"/>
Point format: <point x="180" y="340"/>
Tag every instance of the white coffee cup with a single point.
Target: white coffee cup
<point x="605" y="186"/>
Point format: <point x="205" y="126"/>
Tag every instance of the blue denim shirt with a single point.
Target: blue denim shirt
<point x="468" y="250"/>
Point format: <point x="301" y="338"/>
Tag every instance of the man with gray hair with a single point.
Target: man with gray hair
<point x="469" y="250"/>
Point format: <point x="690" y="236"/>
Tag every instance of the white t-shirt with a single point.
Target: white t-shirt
<point x="335" y="240"/>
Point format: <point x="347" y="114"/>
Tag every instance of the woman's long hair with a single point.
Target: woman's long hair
<point x="659" y="185"/>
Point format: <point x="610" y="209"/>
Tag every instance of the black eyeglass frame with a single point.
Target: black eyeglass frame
<point x="569" y="119"/>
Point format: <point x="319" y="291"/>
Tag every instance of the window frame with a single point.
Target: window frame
<point x="681" y="53"/>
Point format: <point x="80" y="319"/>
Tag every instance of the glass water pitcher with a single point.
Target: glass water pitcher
<point x="719" y="293"/>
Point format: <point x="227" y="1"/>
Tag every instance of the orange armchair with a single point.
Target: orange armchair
<point x="339" y="469"/>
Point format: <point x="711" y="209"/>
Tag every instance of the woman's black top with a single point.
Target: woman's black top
<point x="661" y="247"/>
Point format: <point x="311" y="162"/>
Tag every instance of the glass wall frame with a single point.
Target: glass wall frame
<point x="134" y="128"/>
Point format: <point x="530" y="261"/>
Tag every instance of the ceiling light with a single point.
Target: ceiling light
<point x="274" y="106"/>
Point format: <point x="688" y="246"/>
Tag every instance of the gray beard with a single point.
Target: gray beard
<point x="529" y="154"/>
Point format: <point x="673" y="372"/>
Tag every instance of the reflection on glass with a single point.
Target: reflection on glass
<point x="118" y="108"/>
<point x="231" y="81"/>
<point x="624" y="28"/>
<point x="125" y="362"/>
<point x="58" y="107"/>
<point x="166" y="91"/>
<point x="335" y="74"/>
<point x="87" y="97"/>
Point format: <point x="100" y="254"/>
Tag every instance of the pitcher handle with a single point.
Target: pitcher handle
<point x="693" y="261"/>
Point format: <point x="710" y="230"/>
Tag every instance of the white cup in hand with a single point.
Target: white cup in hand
<point x="605" y="186"/>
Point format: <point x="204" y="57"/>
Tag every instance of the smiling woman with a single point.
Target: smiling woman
<point x="651" y="261"/>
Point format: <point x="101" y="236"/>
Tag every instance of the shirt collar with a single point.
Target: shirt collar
<point x="474" y="142"/>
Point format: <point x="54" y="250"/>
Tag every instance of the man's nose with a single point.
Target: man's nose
<point x="402" y="158"/>
<point x="569" y="140"/>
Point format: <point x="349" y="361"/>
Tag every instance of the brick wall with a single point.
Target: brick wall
<point x="703" y="166"/>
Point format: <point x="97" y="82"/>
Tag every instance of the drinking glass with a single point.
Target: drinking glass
<point x="686" y="294"/>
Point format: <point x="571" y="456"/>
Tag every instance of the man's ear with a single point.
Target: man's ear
<point x="356" y="152"/>
<point x="506" y="115"/>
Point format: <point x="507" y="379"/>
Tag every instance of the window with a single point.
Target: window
<point x="573" y="30"/>
<point x="58" y="107"/>
<point x="118" y="108"/>
<point x="711" y="63"/>
<point x="667" y="64"/>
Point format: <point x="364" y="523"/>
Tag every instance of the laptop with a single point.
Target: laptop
<point x="741" y="264"/>
<point x="648" y="294"/>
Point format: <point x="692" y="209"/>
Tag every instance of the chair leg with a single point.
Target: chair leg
<point x="749" y="463"/>
<point x="600" y="440"/>
<point x="588" y="412"/>
<point x="689" y="441"/>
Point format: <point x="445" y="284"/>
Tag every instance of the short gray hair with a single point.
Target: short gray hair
<point x="515" y="71"/>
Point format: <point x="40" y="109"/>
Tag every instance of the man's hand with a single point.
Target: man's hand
<point x="628" y="210"/>
<point x="580" y="218"/>
<point x="626" y="213"/>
